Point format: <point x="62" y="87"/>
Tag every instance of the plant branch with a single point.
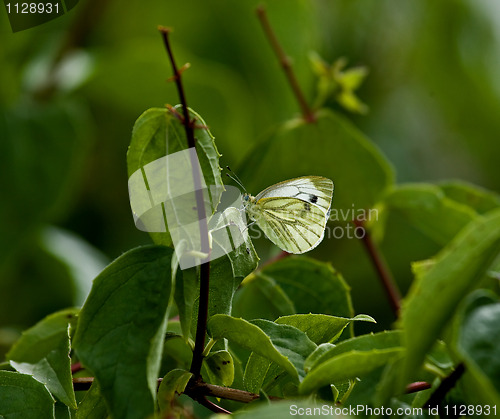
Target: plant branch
<point x="82" y="383"/>
<point x="286" y="64"/>
<point x="195" y="390"/>
<point x="201" y="327"/>
<point x="200" y="205"/>
<point x="382" y="269"/>
<point x="212" y="406"/>
<point x="198" y="388"/>
<point x="188" y="123"/>
<point x="446" y="385"/>
<point x="198" y="392"/>
<point x="417" y="386"/>
<point x="77" y="366"/>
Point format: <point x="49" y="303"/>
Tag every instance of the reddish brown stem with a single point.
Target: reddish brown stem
<point x="382" y="269"/>
<point x="201" y="327"/>
<point x="212" y="406"/>
<point x="77" y="366"/>
<point x="286" y="64"/>
<point x="417" y="386"/>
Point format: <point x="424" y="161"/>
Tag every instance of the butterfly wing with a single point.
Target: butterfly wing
<point x="317" y="190"/>
<point x="293" y="214"/>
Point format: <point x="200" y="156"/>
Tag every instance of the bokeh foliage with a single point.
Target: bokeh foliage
<point x="431" y="92"/>
<point x="433" y="96"/>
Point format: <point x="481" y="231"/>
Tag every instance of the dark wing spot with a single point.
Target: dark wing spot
<point x="307" y="206"/>
<point x="313" y="199"/>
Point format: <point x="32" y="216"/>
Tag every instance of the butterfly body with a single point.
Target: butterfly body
<point x="293" y="214"/>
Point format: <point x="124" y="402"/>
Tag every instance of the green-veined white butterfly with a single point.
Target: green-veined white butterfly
<point x="293" y="214"/>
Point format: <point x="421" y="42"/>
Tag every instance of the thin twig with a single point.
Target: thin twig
<point x="286" y="63"/>
<point x="212" y="406"/>
<point x="199" y="394"/>
<point x="417" y="386"/>
<point x="188" y="123"/>
<point x="198" y="388"/>
<point x="195" y="389"/>
<point x="382" y="269"/>
<point x="201" y="328"/>
<point x="82" y="383"/>
<point x="77" y="366"/>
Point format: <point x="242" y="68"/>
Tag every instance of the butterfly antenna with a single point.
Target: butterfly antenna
<point x="235" y="178"/>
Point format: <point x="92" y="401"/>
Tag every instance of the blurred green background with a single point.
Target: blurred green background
<point x="71" y="89"/>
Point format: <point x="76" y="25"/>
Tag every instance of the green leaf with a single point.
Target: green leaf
<point x="481" y="200"/>
<point x="319" y="355"/>
<point x="61" y="411"/>
<point x="121" y="329"/>
<point x="311" y="286"/>
<point x="321" y="328"/>
<point x="334" y="81"/>
<point x="43" y="352"/>
<point x="352" y="78"/>
<point x="290" y="341"/>
<point x="93" y="405"/>
<point x="176" y="354"/>
<point x="351" y="102"/>
<point x="158" y="133"/>
<point x="478" y="342"/>
<point x="347" y="365"/>
<point x="23" y="397"/>
<point x="260" y="370"/>
<point x="330" y="147"/>
<point x="5" y="366"/>
<point x="380" y="341"/>
<point x="435" y="294"/>
<point x="440" y="356"/>
<point x="261" y="297"/>
<point x="174" y="383"/>
<point x="284" y="345"/>
<point x="220" y="368"/>
<point x="388" y="383"/>
<point x="428" y="209"/>
<point x="185" y="293"/>
<point x="222" y="287"/>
